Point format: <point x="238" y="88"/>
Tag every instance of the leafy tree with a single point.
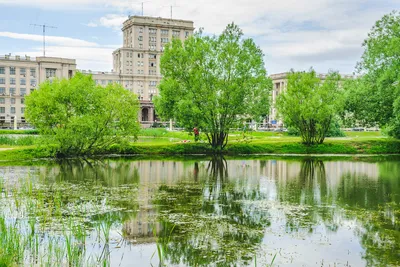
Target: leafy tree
<point x="309" y="105"/>
<point x="78" y="117"/>
<point x="213" y="83"/>
<point x="374" y="98"/>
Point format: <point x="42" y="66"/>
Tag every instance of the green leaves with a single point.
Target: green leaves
<point x="213" y="83"/>
<point x="309" y="104"/>
<point x="372" y="98"/>
<point x="80" y="117"/>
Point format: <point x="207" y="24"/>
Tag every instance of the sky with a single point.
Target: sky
<point x="293" y="34"/>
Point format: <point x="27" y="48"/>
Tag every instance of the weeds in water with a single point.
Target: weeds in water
<point x="11" y="244"/>
<point x="45" y="231"/>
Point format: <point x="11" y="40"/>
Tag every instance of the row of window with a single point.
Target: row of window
<point x="22" y="71"/>
<point x="163" y="32"/>
<point x="12" y="110"/>
<point x="12" y="91"/>
<point x="105" y="82"/>
<point x="12" y="100"/>
<point x="130" y="55"/>
<point x="22" y="81"/>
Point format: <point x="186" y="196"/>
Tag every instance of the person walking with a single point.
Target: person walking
<point x="196" y="134"/>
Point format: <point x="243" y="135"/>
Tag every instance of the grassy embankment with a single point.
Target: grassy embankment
<point x="162" y="142"/>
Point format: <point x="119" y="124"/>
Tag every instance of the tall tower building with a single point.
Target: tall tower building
<point x="137" y="62"/>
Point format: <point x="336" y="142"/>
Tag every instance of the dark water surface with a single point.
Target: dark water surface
<point x="213" y="212"/>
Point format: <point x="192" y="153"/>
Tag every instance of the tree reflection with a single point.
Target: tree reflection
<point x="308" y="197"/>
<point x="375" y="204"/>
<point x="106" y="172"/>
<point x="211" y="221"/>
<point x="372" y="202"/>
<point x="105" y="186"/>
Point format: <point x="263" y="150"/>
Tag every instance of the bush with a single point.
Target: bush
<point x="80" y="118"/>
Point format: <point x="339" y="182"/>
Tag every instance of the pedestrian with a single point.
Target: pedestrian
<point x="196" y="134"/>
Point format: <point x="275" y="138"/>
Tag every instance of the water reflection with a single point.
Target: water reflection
<point x="211" y="221"/>
<point x="222" y="212"/>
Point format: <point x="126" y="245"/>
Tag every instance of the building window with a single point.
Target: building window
<point x="2" y="81"/>
<point x="22" y="100"/>
<point x="33" y="72"/>
<point x="12" y="91"/>
<point x="141" y="46"/>
<point x="152" y="83"/>
<point x="12" y="70"/>
<point x="12" y="110"/>
<point x="12" y="80"/>
<point x="103" y="82"/>
<point x="2" y="90"/>
<point x="22" y="91"/>
<point x="141" y="30"/>
<point x="152" y="56"/>
<point x="2" y="110"/>
<point x="153" y="39"/>
<point x="176" y="33"/>
<point x="22" y="81"/>
<point x="50" y="73"/>
<point x="152" y="64"/>
<point x="2" y="70"/>
<point x="140" y="38"/>
<point x="186" y="34"/>
<point x="110" y="81"/>
<point x="152" y="31"/>
<point x="12" y="100"/>
<point x="164" y="40"/>
<point x="164" y="32"/>
<point x="22" y="110"/>
<point x="22" y="71"/>
<point x="2" y="100"/>
<point x="33" y="82"/>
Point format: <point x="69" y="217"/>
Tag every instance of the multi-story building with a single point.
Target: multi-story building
<point x="279" y="85"/>
<point x="19" y="76"/>
<point x="136" y="65"/>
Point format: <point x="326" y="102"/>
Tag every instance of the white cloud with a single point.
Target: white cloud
<point x="65" y="41"/>
<point x="113" y="21"/>
<point x="91" y="24"/>
<point x="292" y="33"/>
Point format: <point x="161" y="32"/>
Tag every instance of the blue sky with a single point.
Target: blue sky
<point x="299" y="34"/>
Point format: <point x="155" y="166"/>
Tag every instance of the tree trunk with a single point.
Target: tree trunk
<point x="218" y="140"/>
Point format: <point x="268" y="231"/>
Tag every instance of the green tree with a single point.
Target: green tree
<point x="309" y="105"/>
<point x="77" y="117"/>
<point x="213" y="83"/>
<point x="374" y="98"/>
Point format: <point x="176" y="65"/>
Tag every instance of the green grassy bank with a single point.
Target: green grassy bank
<point x="330" y="147"/>
<point x="163" y="143"/>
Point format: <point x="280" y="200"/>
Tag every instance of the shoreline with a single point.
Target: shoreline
<point x="332" y="148"/>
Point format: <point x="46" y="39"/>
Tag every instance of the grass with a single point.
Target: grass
<point x="166" y="143"/>
<point x="17" y="141"/>
<point x="4" y="132"/>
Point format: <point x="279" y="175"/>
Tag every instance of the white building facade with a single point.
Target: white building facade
<point x="19" y="76"/>
<point x="136" y="65"/>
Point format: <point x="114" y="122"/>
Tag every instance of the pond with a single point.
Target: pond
<point x="202" y="212"/>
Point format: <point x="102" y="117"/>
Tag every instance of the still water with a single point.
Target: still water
<point x="209" y="212"/>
